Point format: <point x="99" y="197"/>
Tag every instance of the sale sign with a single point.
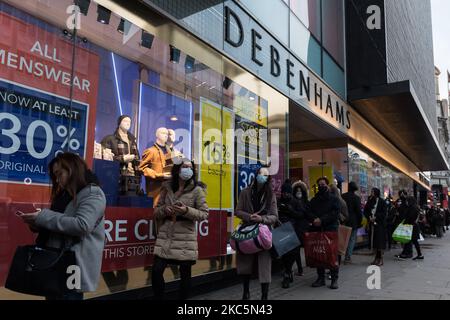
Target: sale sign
<point x="36" y="126"/>
<point x="216" y="156"/>
<point x="130" y="237"/>
<point x="37" y="118"/>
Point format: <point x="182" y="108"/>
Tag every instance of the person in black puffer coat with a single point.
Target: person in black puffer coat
<point x="294" y="208"/>
<point x="325" y="210"/>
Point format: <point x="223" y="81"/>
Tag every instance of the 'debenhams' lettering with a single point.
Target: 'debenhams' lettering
<point x="322" y="98"/>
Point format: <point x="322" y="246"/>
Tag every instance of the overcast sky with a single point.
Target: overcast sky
<point x="441" y="38"/>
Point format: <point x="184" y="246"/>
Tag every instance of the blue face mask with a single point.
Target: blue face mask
<point x="261" y="179"/>
<point x="186" y="173"/>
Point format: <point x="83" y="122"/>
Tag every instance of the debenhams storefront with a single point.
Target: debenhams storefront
<point x="131" y="59"/>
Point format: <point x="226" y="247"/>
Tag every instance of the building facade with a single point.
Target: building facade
<point x="310" y="91"/>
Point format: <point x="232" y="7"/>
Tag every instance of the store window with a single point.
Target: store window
<point x="310" y="165"/>
<point x="370" y="173"/>
<point x="124" y="72"/>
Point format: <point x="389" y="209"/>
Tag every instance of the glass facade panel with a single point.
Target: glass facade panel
<point x="308" y="11"/>
<point x="277" y="23"/>
<point x="333" y="28"/>
<point x="310" y="53"/>
<point x="333" y="74"/>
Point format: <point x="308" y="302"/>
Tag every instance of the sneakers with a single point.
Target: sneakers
<point x="320" y="282"/>
<point x="421" y="257"/>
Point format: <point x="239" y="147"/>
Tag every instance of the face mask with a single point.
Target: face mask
<point x="261" y="179"/>
<point x="323" y="189"/>
<point x="299" y="195"/>
<point x="186" y="173"/>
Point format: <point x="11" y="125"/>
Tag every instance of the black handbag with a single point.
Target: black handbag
<point x="284" y="239"/>
<point x="40" y="271"/>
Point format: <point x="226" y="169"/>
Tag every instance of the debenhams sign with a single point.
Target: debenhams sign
<point x="253" y="47"/>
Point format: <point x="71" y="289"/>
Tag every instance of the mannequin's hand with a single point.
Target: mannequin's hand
<point x="129" y="157"/>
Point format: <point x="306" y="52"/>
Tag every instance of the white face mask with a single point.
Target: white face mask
<point x="186" y="173"/>
<point x="299" y="195"/>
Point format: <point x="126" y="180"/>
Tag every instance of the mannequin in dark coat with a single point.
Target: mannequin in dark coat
<point x="375" y="212"/>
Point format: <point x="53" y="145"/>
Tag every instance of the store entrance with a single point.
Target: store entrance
<point x="316" y="149"/>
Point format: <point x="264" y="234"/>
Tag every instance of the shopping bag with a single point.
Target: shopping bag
<point x="321" y="249"/>
<point x="284" y="239"/>
<point x="403" y="233"/>
<point x="344" y="234"/>
<point x="250" y="239"/>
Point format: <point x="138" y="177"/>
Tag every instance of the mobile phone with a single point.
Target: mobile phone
<point x="24" y="207"/>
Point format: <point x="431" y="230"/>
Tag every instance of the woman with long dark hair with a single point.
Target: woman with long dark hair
<point x="375" y="212"/>
<point x="76" y="217"/>
<point x="181" y="204"/>
<point x="257" y="204"/>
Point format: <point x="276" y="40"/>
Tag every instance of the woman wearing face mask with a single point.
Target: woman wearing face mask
<point x="257" y="204"/>
<point x="293" y="207"/>
<point x="376" y="212"/>
<point x="181" y="204"/>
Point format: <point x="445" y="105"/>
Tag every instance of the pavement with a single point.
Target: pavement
<point x="427" y="279"/>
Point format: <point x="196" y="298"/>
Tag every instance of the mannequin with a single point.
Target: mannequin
<point x="173" y="156"/>
<point x="153" y="164"/>
<point x="123" y="145"/>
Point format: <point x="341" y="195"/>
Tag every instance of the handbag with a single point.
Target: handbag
<point x="344" y="234"/>
<point x="403" y="233"/>
<point x="321" y="249"/>
<point x="40" y="271"/>
<point x="284" y="240"/>
<point x="250" y="239"/>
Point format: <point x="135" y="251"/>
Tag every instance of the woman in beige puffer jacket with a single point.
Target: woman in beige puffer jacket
<point x="182" y="204"/>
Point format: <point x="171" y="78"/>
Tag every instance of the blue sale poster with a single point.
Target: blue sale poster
<point x="34" y="127"/>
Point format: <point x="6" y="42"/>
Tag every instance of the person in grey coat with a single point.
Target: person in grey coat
<point x="257" y="204"/>
<point x="77" y="220"/>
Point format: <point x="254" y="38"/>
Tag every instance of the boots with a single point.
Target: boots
<point x="246" y="293"/>
<point x="265" y="291"/>
<point x="334" y="284"/>
<point x="320" y="282"/>
<point x="285" y="283"/>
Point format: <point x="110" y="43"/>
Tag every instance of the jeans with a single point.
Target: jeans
<point x="351" y="244"/>
<point x="158" y="284"/>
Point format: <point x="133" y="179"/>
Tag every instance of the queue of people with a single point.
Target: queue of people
<point x="77" y="210"/>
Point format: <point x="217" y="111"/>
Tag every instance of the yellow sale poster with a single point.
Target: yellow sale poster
<point x="216" y="169"/>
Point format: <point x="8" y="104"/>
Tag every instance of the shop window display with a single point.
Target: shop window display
<point x="138" y="108"/>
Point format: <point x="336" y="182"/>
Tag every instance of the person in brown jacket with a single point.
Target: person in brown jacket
<point x="257" y="204"/>
<point x="153" y="163"/>
<point x="181" y="205"/>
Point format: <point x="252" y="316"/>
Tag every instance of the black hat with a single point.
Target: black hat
<point x="352" y="186"/>
<point x="121" y="118"/>
<point x="286" y="187"/>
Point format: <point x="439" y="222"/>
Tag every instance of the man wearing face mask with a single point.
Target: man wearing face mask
<point x="325" y="210"/>
<point x="293" y="207"/>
